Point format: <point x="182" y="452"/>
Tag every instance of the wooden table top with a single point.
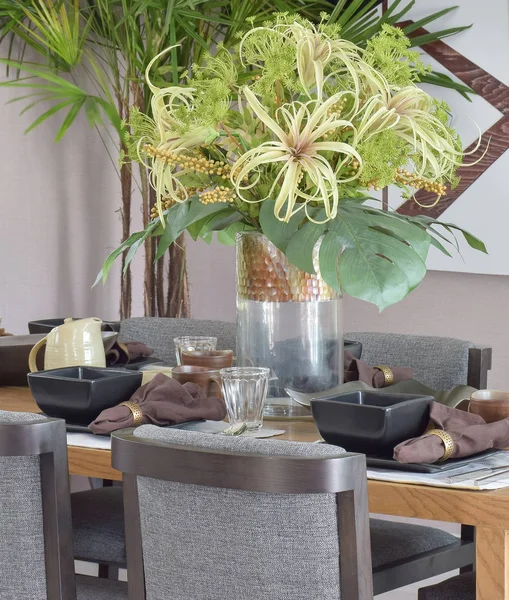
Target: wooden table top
<point x="488" y="511"/>
<point x="480" y="508"/>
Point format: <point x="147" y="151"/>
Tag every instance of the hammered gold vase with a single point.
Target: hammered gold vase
<point x="287" y="320"/>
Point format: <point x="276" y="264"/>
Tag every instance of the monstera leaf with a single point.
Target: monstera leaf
<point x="383" y="256"/>
<point x="368" y="253"/>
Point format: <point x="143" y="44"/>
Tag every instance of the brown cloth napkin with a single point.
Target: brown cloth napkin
<point x="358" y="370"/>
<point x="124" y="353"/>
<point x="163" y="401"/>
<point x="470" y="434"/>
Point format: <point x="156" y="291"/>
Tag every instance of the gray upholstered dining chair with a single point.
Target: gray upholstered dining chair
<point x="223" y="518"/>
<point x="36" y="560"/>
<point x="98" y="516"/>
<point x="98" y="529"/>
<point x="158" y="333"/>
<point x="399" y="551"/>
<point x="461" y="587"/>
<point x="403" y="553"/>
<point x="439" y="362"/>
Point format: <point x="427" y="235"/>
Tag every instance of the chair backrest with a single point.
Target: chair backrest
<point x="158" y="333"/>
<point x="221" y="518"/>
<point x="438" y="362"/>
<point x="36" y="560"/>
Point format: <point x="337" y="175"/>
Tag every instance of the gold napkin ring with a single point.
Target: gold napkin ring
<point x="447" y="441"/>
<point x="387" y="373"/>
<point x="135" y="411"/>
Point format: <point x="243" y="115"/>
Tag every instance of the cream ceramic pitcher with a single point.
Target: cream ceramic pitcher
<point x="75" y="343"/>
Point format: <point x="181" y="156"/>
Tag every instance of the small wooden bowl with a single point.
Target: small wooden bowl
<point x="211" y="359"/>
<point x="491" y="405"/>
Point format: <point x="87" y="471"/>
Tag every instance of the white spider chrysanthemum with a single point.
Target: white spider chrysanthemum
<point x="297" y="152"/>
<point x="408" y="113"/>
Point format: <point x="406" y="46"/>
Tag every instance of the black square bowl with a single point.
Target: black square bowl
<point x="371" y="423"/>
<point x="79" y="394"/>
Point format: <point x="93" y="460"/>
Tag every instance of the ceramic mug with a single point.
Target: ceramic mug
<point x="151" y="371"/>
<point x="212" y="359"/>
<point x="201" y="376"/>
<point x="491" y="405"/>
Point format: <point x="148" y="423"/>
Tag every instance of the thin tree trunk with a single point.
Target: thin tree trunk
<point x="125" y="280"/>
<point x="178" y="286"/>
<point x="149" y="280"/>
<point x="126" y="184"/>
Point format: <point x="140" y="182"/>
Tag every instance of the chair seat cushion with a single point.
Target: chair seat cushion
<point x="392" y="541"/>
<point x="93" y="588"/>
<point x="98" y="525"/>
<point x="461" y="587"/>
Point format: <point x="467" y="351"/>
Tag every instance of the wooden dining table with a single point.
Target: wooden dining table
<point x="488" y="511"/>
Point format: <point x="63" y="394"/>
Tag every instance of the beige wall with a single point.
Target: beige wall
<point x="471" y="307"/>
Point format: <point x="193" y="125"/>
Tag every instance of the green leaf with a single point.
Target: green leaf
<point x="443" y="80"/>
<point x="330" y="249"/>
<point x="228" y="235"/>
<point x="439" y="246"/>
<point x="401" y="228"/>
<point x="279" y="233"/>
<point x="433" y="17"/>
<point x="92" y="112"/>
<point x="219" y="220"/>
<point x="198" y="210"/>
<point x="473" y="241"/>
<point x="108" y="263"/>
<point x="149" y="231"/>
<point x="301" y="247"/>
<point x="176" y="221"/>
<point x="429" y="38"/>
<point x="69" y="118"/>
<point x="46" y="115"/>
<point x="382" y="260"/>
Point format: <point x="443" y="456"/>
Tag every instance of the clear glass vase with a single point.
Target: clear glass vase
<point x="289" y="321"/>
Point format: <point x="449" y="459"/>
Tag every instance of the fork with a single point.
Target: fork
<point x="235" y="429"/>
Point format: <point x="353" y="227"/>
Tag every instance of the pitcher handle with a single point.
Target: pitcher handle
<point x="32" y="357"/>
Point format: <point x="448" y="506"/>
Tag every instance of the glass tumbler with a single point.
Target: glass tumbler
<point x="245" y="391"/>
<point x="196" y="342"/>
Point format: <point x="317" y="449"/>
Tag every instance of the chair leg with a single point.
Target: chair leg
<point x="468" y="535"/>
<point x="104" y="571"/>
<point x="108" y="572"/>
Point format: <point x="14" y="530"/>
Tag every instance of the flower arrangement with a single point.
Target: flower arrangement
<point x="287" y="133"/>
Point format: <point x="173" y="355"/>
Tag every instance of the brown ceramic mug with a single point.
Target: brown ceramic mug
<point x="491" y="405"/>
<point x="212" y="359"/>
<point x="201" y="376"/>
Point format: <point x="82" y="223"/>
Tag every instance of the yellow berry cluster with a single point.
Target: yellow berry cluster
<point x="167" y="203"/>
<point x="337" y="108"/>
<point x="352" y="168"/>
<point x="419" y="183"/>
<point x="190" y="162"/>
<point x="218" y="194"/>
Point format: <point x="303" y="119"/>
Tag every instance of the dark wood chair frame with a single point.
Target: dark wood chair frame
<point x="344" y="476"/>
<point x="479" y="363"/>
<point x="47" y="439"/>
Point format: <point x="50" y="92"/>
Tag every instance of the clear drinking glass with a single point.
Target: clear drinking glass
<point x="196" y="342"/>
<point x="245" y="391"/>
